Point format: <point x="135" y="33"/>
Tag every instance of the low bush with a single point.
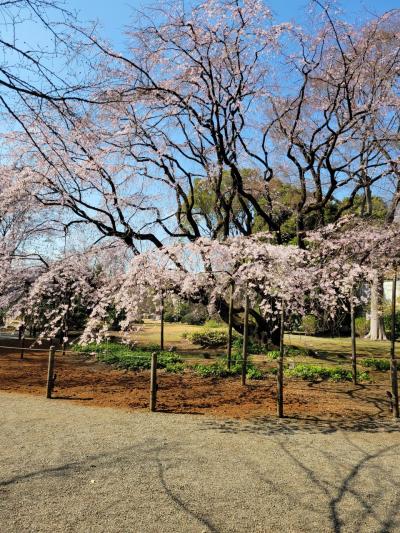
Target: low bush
<point x="209" y="338"/>
<point x="254" y="373"/>
<point x="319" y="373"/>
<point x="273" y="354"/>
<point x="376" y="364"/>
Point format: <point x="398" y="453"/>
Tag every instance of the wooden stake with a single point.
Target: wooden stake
<point x="50" y="372"/>
<point x="353" y="339"/>
<point x="22" y="345"/>
<point x="162" y="322"/>
<point x="153" y="382"/>
<point x="279" y="375"/>
<point x="229" y="354"/>
<point x="393" y="360"/>
<point x="245" y="339"/>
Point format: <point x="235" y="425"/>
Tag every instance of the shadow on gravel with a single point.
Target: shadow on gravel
<point x="290" y="426"/>
<point x="76" y="398"/>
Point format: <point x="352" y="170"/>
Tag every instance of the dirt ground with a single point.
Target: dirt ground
<point x="86" y="381"/>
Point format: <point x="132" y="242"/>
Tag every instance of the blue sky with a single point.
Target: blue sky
<point x="114" y="15"/>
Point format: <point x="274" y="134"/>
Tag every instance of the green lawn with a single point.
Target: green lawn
<point x="328" y="350"/>
<point x="150" y="334"/>
<point x="338" y="349"/>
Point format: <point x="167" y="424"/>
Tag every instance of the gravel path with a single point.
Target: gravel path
<point x="64" y="467"/>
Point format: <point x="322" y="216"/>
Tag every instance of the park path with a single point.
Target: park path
<point x="70" y="468"/>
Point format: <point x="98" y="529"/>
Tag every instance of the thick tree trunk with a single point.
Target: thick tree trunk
<point x="261" y="331"/>
<point x="377" y="330"/>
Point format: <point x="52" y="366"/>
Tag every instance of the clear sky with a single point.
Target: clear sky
<point x="114" y="15"/>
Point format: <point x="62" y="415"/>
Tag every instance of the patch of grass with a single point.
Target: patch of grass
<point x="297" y="351"/>
<point x="338" y="347"/>
<point x="376" y="364"/>
<point x="123" y="357"/>
<point x="273" y="354"/>
<point x="320" y="373"/>
<point x="175" y="368"/>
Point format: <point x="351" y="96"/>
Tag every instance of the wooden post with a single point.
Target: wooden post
<point x="393" y="360"/>
<point x="245" y="339"/>
<point x="162" y="322"/>
<point x="230" y="328"/>
<point x="353" y="339"/>
<point x="50" y="372"/>
<point x="22" y="344"/>
<point x="279" y="375"/>
<point x="153" y="382"/>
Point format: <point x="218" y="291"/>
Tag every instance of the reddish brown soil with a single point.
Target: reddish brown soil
<point x="91" y="383"/>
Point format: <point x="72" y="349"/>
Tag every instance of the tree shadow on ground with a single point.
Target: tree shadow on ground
<point x="266" y="425"/>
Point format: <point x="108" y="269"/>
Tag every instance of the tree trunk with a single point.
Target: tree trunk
<point x="377" y="330"/>
<point x="261" y="331"/>
<point x="393" y="360"/>
<point x="353" y="339"/>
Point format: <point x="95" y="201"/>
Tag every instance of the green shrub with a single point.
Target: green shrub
<point x="254" y="373"/>
<point x="362" y="326"/>
<point x="209" y="338"/>
<point x="273" y="354"/>
<point x="319" y="373"/>
<point x="309" y="324"/>
<point x="375" y="363"/>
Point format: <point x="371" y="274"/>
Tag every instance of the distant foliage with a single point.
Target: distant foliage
<point x="362" y="326"/>
<point x="309" y="324"/>
<point x="387" y="321"/>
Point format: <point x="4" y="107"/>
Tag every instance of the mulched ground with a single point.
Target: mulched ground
<point x="89" y="382"/>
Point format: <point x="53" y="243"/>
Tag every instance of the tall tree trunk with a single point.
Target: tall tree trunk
<point x="353" y="339"/>
<point x="393" y="360"/>
<point x="377" y="330"/>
